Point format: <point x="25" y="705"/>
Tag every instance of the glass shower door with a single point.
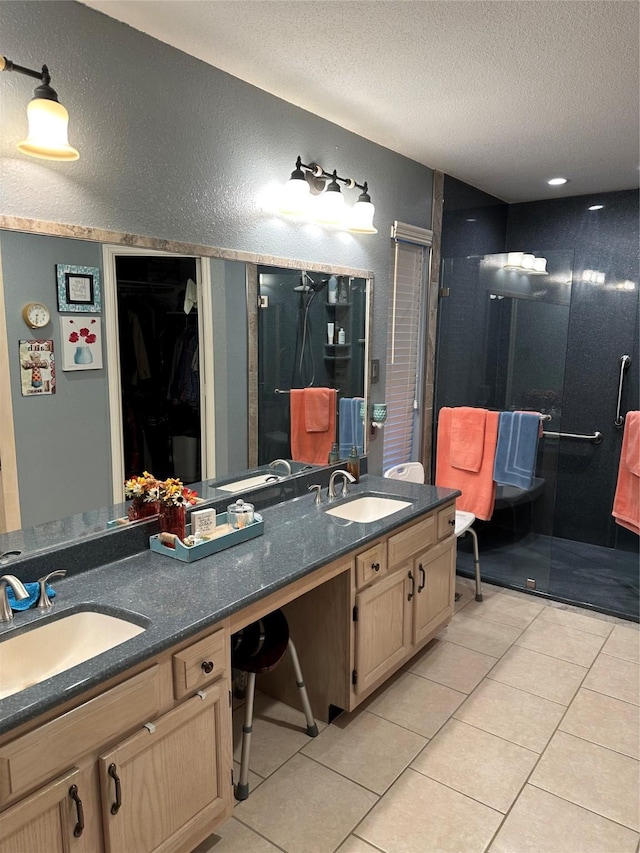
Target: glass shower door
<point x="502" y="343"/>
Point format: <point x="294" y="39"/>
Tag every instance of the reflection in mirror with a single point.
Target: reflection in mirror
<point x="311" y="335"/>
<point x="525" y="354"/>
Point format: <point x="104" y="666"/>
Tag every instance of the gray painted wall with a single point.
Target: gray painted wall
<point x="62" y="439"/>
<point x="173" y="148"/>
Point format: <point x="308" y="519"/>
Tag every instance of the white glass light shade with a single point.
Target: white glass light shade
<point x="330" y="208"/>
<point x="539" y="266"/>
<point x="295" y="197"/>
<point x="514" y="261"/>
<point x="528" y="261"/>
<point x="47" y="137"/>
<point x="361" y="220"/>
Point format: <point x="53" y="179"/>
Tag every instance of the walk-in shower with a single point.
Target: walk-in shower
<point x="560" y="346"/>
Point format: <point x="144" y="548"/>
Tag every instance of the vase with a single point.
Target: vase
<point x="173" y="520"/>
<point x="139" y="508"/>
<point x="83" y="355"/>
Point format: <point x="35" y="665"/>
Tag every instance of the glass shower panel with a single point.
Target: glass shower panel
<point x="502" y="344"/>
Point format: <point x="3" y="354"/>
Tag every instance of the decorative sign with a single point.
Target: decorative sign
<point x="37" y="368"/>
<point x="78" y="288"/>
<point x="81" y="343"/>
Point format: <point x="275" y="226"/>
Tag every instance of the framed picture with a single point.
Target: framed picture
<point x="81" y="343"/>
<point x="78" y="288"/>
<point x="37" y="368"/>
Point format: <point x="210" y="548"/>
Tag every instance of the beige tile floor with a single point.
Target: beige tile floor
<point x="515" y="731"/>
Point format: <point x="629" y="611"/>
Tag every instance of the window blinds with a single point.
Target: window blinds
<point x="403" y="355"/>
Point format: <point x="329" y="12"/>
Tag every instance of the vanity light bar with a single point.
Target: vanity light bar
<point x="309" y="179"/>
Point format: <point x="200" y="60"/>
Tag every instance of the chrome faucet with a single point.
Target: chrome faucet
<point x="6" y="614"/>
<point x="44" y="602"/>
<point x="284" y="462"/>
<point x="348" y="478"/>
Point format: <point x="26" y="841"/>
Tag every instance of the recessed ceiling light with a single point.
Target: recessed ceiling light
<point x="596" y="207"/>
<point x="556" y="182"/>
<point x="471" y="219"/>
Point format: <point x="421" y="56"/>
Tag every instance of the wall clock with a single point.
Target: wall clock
<point x="36" y="315"/>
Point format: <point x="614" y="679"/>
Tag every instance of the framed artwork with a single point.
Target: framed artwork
<point x="78" y="288"/>
<point x="81" y="343"/>
<point x="37" y="368"/>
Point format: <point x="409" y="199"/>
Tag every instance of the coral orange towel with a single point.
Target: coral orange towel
<point x="477" y="487"/>
<point x="626" y="503"/>
<point x="312" y="408"/>
<point x="467" y="438"/>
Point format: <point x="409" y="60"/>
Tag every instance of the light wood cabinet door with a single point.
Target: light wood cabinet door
<point x="170" y="779"/>
<point x="383" y="628"/>
<point x="46" y="821"/>
<point x="435" y="588"/>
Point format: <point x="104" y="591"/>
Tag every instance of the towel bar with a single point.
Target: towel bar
<point x="596" y="438"/>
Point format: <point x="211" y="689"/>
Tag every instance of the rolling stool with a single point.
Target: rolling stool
<point x="259" y="648"/>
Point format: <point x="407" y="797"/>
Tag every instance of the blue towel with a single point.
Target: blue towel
<point x="351" y="426"/>
<point x="516" y="451"/>
<point x="26" y="603"/>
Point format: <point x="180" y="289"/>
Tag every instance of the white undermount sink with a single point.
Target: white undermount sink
<point x="368" y="508"/>
<point x="249" y="483"/>
<point x="53" y="646"/>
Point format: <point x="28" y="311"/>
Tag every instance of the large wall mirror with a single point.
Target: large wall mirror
<point x="252" y="349"/>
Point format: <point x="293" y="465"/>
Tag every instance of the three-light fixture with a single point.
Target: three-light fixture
<point x="48" y="119"/>
<point x="314" y="194"/>
<point x="526" y="262"/>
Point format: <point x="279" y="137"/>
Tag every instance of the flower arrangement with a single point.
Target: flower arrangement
<point x="144" y="486"/>
<point x="82" y="336"/>
<point x="173" y="492"/>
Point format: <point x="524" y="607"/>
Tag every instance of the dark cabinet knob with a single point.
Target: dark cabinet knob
<point x="375" y="567"/>
<point x="452" y="522"/>
<point x="207" y="666"/>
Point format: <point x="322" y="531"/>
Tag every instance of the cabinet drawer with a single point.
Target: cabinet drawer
<point x="200" y="663"/>
<point x="412" y="540"/>
<point x="371" y="564"/>
<point x="55" y="746"/>
<point x="446" y="521"/>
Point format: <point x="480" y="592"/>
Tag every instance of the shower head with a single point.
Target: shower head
<point x="308" y="284"/>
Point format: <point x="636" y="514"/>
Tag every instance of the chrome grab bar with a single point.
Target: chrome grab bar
<point x="625" y="361"/>
<point x="596" y="438"/>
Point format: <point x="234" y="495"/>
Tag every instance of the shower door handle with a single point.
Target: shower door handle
<point x="625" y="361"/>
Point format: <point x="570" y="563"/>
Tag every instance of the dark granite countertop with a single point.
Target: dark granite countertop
<point x="175" y="600"/>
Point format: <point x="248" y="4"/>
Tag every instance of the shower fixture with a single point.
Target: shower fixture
<point x="329" y="206"/>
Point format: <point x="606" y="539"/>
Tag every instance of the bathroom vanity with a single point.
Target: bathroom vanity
<point x="132" y="749"/>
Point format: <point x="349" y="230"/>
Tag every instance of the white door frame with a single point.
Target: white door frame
<point x="205" y="353"/>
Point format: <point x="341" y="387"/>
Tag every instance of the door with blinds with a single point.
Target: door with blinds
<point x="405" y="344"/>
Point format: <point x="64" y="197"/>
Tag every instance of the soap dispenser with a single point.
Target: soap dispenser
<point x="353" y="463"/>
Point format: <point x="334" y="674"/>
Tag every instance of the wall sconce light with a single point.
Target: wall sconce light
<point x="48" y="119"/>
<point x="526" y="262"/>
<point x="329" y="206"/>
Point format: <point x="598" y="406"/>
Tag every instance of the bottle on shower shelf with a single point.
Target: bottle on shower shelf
<point x="343" y="293"/>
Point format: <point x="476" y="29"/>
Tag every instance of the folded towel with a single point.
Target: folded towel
<point x="477" y="487"/>
<point x="626" y="502"/>
<point x="632" y="452"/>
<point x="351" y="427"/>
<point x="517" y="448"/>
<point x="312" y="447"/>
<point x="318" y="403"/>
<point x="26" y="603"/>
<point x="467" y="437"/>
<point x="538" y="415"/>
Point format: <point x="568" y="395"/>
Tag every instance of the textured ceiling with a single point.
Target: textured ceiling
<point x="501" y="94"/>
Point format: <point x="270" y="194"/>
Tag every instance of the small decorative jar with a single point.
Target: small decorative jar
<point x="173" y="519"/>
<point x="140" y="508"/>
